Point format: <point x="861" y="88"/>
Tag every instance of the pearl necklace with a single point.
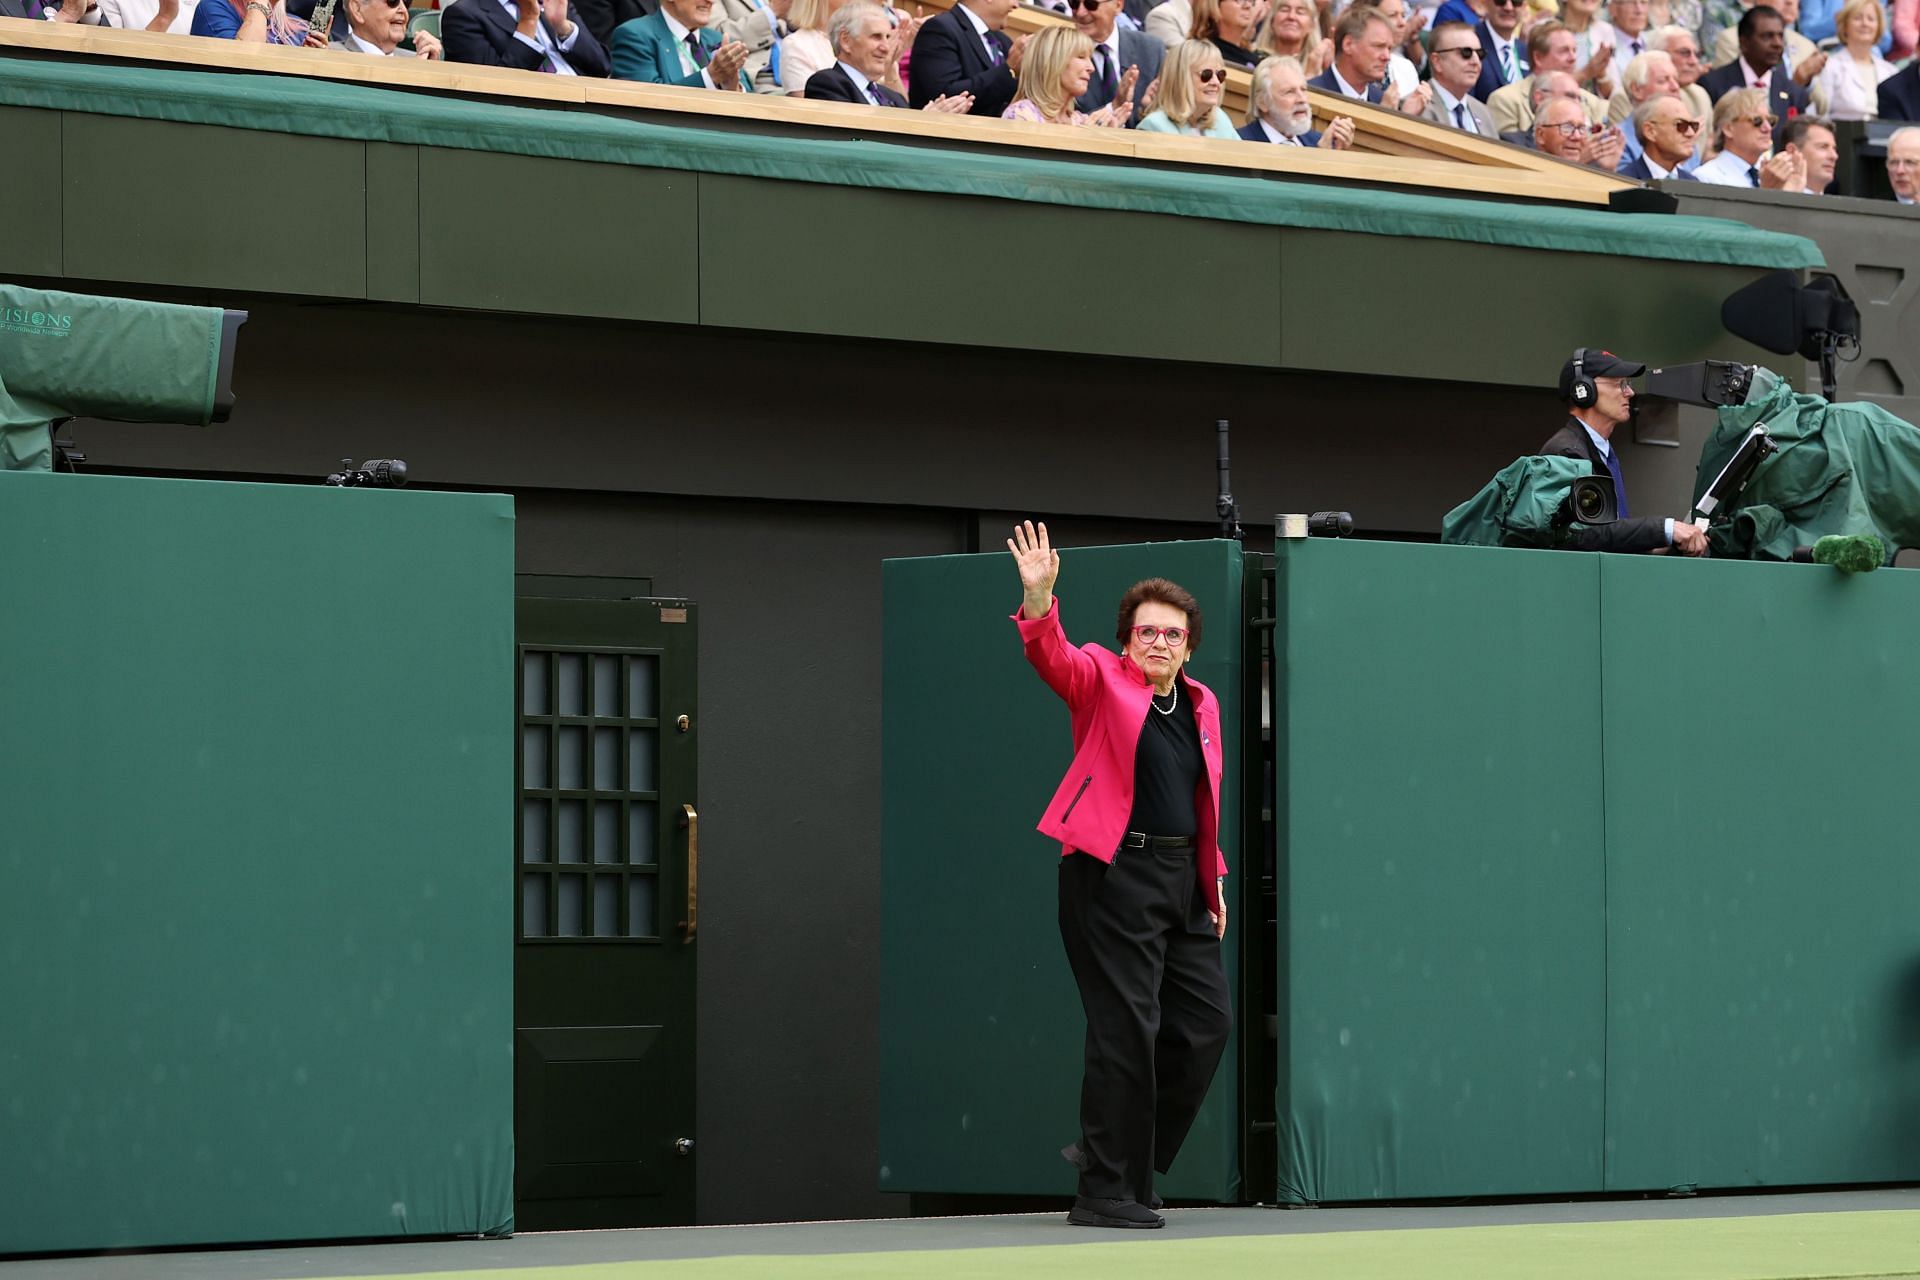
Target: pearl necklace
<point x="1172" y="707"/>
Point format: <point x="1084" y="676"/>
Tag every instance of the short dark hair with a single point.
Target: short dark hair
<point x="1753" y="15"/>
<point x="1161" y="591"/>
<point x="1794" y="132"/>
<point x="1354" y="26"/>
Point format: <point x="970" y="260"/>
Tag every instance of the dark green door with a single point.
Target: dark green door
<point x="608" y="874"/>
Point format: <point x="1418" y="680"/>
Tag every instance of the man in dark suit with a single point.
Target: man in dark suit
<point x="1113" y="53"/>
<point x="1667" y="131"/>
<point x="533" y="35"/>
<point x="1283" y="112"/>
<point x="1763" y="42"/>
<point x="1503" y="55"/>
<point x="966" y="50"/>
<point x="861" y="34"/>
<point x="1362" y="48"/>
<point x="1594" y="386"/>
<point x="1900" y="94"/>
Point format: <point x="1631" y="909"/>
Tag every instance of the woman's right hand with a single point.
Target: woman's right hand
<point x="1039" y="566"/>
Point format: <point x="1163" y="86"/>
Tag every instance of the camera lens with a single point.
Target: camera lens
<point x="1587" y="503"/>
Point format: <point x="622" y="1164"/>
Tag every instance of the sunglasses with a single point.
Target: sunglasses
<point x="1464" y="51"/>
<point x="1509" y="4"/>
<point x="1088" y="5"/>
<point x="1686" y="126"/>
<point x="1763" y="122"/>
<point x="1209" y="74"/>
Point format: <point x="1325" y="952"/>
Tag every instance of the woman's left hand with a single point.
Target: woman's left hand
<point x="1123" y="94"/>
<point x="1219" y="920"/>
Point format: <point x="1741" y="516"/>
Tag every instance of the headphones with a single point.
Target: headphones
<point x="1582" y="390"/>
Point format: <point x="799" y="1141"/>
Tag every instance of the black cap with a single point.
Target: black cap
<point x="1596" y="363"/>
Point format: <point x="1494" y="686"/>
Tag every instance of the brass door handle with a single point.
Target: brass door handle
<point x="691" y="821"/>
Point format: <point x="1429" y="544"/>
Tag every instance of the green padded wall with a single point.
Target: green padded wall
<point x="256" y="831"/>
<point x="980" y="1031"/>
<point x="1763" y="891"/>
<point x="1442" y="974"/>
<point x="1594" y="874"/>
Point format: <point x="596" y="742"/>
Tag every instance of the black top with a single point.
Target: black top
<point x="1167" y="769"/>
<point x="1234" y="56"/>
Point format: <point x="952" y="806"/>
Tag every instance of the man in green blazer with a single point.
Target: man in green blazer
<point x="673" y="46"/>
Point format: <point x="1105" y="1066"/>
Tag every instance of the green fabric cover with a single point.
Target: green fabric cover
<point x="291" y="104"/>
<point x="256" y="837"/>
<point x="1516" y="507"/>
<point x="1841" y="469"/>
<point x="71" y="354"/>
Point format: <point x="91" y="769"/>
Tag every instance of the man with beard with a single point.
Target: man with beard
<point x="1283" y="113"/>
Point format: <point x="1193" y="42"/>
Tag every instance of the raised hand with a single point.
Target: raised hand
<point x="957" y="105"/>
<point x="1148" y="99"/>
<point x="1123" y="94"/>
<point x="1338" y="135"/>
<point x="1039" y="566"/>
<point x="426" y="46"/>
<point x="555" y="12"/>
<point x="724" y="68"/>
<point x="1017" y="53"/>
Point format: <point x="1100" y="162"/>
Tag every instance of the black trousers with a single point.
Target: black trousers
<point x="1158" y="1014"/>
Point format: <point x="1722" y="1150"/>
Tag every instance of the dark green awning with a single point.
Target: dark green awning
<point x="294" y="104"/>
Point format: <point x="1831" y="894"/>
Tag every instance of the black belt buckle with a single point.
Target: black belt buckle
<point x="1133" y="840"/>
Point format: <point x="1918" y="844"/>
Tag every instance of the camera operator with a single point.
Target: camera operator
<point x="1594" y="385"/>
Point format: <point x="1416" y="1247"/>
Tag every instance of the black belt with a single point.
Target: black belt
<point x="1140" y="840"/>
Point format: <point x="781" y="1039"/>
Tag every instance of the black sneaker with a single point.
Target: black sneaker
<point x="1090" y="1212"/>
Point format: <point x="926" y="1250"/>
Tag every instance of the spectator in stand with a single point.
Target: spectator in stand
<point x="1455" y="57"/>
<point x="1802" y="59"/>
<point x="1683" y="51"/>
<point x="805" y="48"/>
<point x="1542" y="89"/>
<point x="1118" y="52"/>
<point x="172" y="16"/>
<point x="378" y="26"/>
<point x="1667" y="132"/>
<point x="1229" y="26"/>
<point x="1054" y="73"/>
<point x="1191" y="83"/>
<point x="967" y="50"/>
<point x="1820" y="21"/>
<point x="754" y="23"/>
<point x="1631" y="35"/>
<point x="1742" y="135"/>
<point x="1762" y="35"/>
<point x="1903" y="164"/>
<point x="1851" y="78"/>
<point x="863" y="36"/>
<point x="1283" y="111"/>
<point x="1169" y="21"/>
<point x="1362" y="48"/>
<point x="1293" y="31"/>
<point x="1811" y="138"/>
<point x="1563" y="131"/>
<point x="533" y="35"/>
<point x="1550" y="47"/>
<point x="253" y="22"/>
<point x="1403" y="69"/>
<point x="674" y="45"/>
<point x="1900" y="94"/>
<point x="1650" y="75"/>
<point x="1593" y="45"/>
<point x="1503" y="47"/>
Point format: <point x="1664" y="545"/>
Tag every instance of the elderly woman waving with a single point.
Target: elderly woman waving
<point x="1141" y="909"/>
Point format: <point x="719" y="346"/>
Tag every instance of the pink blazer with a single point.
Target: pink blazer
<point x="1108" y="698"/>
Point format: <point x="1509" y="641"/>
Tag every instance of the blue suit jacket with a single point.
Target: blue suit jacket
<point x="1636" y="169"/>
<point x="481" y="32"/>
<point x="1135" y="50"/>
<point x="644" y="50"/>
<point x="1490" y="77"/>
<point x="949" y="58"/>
<point x="1252" y="132"/>
<point x="1326" y="81"/>
<point x="1900" y="95"/>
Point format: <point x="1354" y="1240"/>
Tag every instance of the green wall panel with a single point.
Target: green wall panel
<point x="1046" y="277"/>
<point x="30" y="158"/>
<point x="257" y="787"/>
<point x="1662" y="312"/>
<point x="1440" y="872"/>
<point x="1764" y="957"/>
<point x="164" y="203"/>
<point x="521" y="233"/>
<point x="393" y="222"/>
<point x="980" y="1024"/>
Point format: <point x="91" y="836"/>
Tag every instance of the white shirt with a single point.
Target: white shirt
<point x="687" y="65"/>
<point x="1402" y="75"/>
<point x="1274" y="135"/>
<point x="1341" y="82"/>
<point x="1447" y="103"/>
<point x="1653" y="166"/>
<point x="1726" y="170"/>
<point x="1500" y="47"/>
<point x="545" y="42"/>
<point x="860" y="81"/>
<point x="134" y="15"/>
<point x="1751" y="79"/>
<point x="1623" y="51"/>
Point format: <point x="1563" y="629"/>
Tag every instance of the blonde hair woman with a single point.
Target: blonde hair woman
<point x="1054" y="73"/>
<point x="804" y="49"/>
<point x="1853" y="73"/>
<point x="1292" y="30"/>
<point x="1192" y="81"/>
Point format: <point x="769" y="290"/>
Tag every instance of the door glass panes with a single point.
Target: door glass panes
<point x="590" y="817"/>
<point x="643" y="765"/>
<point x="643" y="687"/>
